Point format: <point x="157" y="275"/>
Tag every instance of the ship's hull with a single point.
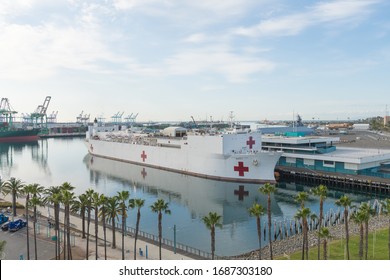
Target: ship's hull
<point x="251" y="167"/>
<point x="11" y="136"/>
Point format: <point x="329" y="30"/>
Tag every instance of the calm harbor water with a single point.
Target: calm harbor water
<point x="51" y="162"/>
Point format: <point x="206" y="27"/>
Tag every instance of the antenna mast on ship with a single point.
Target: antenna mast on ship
<point x="231" y="118"/>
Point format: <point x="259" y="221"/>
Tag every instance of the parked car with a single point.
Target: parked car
<point x="16" y="225"/>
<point x="3" y="218"/>
<point x="5" y="226"/>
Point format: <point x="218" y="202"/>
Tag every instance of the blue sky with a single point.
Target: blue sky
<point x="169" y="60"/>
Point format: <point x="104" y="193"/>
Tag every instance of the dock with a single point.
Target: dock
<point x="360" y="183"/>
<point x="62" y="135"/>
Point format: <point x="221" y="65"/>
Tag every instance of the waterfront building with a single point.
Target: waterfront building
<point x="320" y="154"/>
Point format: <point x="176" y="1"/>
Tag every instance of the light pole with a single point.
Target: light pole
<point x="174" y="239"/>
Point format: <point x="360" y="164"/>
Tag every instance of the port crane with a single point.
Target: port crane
<point x="117" y="118"/>
<point x="52" y="118"/>
<point x="6" y="112"/>
<point x="83" y="119"/>
<point x="39" y="117"/>
<point x="130" y="119"/>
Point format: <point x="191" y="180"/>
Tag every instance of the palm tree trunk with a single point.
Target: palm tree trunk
<point x="57" y="230"/>
<point x="27" y="229"/>
<point x="104" y="234"/>
<point x="123" y="235"/>
<point x="136" y="233"/>
<point x="35" y="233"/>
<point x="361" y="231"/>
<point x="96" y="232"/>
<point x="269" y="227"/>
<point x="14" y="203"/>
<point x="83" y="221"/>
<point x="68" y="231"/>
<point x="65" y="242"/>
<point x="259" y="235"/>
<point x="159" y="232"/>
<point x="325" y="249"/>
<point x="346" y="231"/>
<point x="366" y="245"/>
<point x="113" y="234"/>
<point x="303" y="239"/>
<point x="306" y="239"/>
<point x="88" y="224"/>
<point x="212" y="242"/>
<point x="319" y="228"/>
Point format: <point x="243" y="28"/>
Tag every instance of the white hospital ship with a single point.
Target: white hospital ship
<point x="234" y="156"/>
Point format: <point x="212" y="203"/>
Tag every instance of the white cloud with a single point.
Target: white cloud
<point x="217" y="60"/>
<point x="324" y="12"/>
<point x="196" y="38"/>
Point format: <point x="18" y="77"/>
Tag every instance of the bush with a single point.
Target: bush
<point x="5" y="204"/>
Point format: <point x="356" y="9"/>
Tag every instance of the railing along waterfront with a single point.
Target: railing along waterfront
<point x="172" y="245"/>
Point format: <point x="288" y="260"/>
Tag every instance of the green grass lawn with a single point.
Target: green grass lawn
<point x="377" y="248"/>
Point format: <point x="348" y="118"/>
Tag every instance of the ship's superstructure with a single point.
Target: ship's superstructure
<point x="234" y="156"/>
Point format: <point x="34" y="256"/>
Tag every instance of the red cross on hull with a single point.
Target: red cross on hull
<point x="144" y="156"/>
<point x="250" y="142"/>
<point x="241" y="169"/>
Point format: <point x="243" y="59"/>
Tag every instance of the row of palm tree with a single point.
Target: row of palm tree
<point x="361" y="217"/>
<point x="108" y="209"/>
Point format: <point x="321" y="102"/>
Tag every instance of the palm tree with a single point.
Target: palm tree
<point x="301" y="197"/>
<point x="345" y="202"/>
<point x="80" y="206"/>
<point x="322" y="192"/>
<point x="303" y="214"/>
<point x="269" y="189"/>
<point x="68" y="198"/>
<point x="26" y="191"/>
<point x="136" y="203"/>
<point x="325" y="234"/>
<point x="211" y="221"/>
<point x="358" y="218"/>
<point x="257" y="211"/>
<point x="36" y="190"/>
<point x="15" y="187"/>
<point x="159" y="207"/>
<point x="386" y="210"/>
<point x="112" y="212"/>
<point x="123" y="197"/>
<point x="54" y="196"/>
<point x="96" y="202"/>
<point x="103" y="213"/>
<point x="367" y="212"/>
<point x="88" y="193"/>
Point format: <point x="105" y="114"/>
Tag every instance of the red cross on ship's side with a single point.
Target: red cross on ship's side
<point x="250" y="142"/>
<point x="144" y="156"/>
<point x="241" y="169"/>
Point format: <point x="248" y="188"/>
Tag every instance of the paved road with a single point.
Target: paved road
<point x="16" y="246"/>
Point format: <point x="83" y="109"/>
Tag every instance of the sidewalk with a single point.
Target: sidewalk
<point x="78" y="250"/>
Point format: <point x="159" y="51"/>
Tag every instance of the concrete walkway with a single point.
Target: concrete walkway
<point x="79" y="244"/>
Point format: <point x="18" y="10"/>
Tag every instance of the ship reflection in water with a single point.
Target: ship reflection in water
<point x="190" y="198"/>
